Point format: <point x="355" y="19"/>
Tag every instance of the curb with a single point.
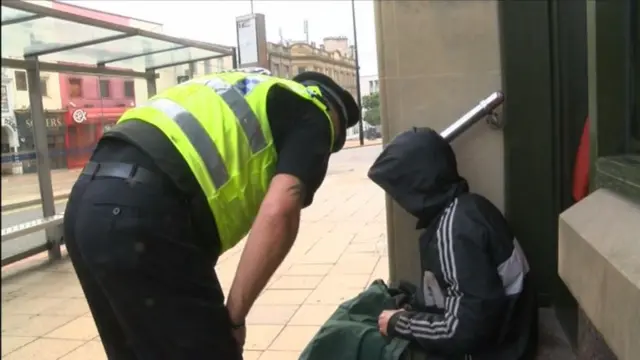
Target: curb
<point x="360" y="146"/>
<point x="28" y="203"/>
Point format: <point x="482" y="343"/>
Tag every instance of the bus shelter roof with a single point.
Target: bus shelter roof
<point x="62" y="41"/>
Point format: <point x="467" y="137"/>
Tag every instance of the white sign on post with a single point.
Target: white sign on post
<point x="247" y="39"/>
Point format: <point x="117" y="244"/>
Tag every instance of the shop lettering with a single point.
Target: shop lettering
<point x="52" y="122"/>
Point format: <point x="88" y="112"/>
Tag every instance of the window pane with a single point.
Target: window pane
<point x="105" y="88"/>
<point x="129" y="90"/>
<point x="21" y="80"/>
<point x="75" y="88"/>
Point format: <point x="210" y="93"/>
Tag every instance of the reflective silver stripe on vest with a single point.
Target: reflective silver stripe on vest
<point x="247" y="118"/>
<point x="233" y="96"/>
<point x="198" y="137"/>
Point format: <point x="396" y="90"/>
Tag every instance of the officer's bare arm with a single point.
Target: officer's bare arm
<point x="272" y="235"/>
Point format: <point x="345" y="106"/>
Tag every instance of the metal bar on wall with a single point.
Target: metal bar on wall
<point x="484" y="108"/>
<point x="42" y="148"/>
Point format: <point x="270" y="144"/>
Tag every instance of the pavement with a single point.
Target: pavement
<point x="24" y="190"/>
<point x="21" y="200"/>
<point x="340" y="249"/>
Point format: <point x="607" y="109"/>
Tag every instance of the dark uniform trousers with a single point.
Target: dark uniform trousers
<point x="151" y="289"/>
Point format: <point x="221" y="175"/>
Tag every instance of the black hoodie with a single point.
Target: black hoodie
<point x="477" y="300"/>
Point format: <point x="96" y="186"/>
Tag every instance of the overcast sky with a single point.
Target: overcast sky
<point x="214" y="21"/>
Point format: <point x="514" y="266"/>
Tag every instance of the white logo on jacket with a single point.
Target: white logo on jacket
<point x="432" y="292"/>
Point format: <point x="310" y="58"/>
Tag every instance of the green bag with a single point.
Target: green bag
<point x="351" y="333"/>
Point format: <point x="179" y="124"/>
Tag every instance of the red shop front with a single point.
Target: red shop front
<point x="85" y="127"/>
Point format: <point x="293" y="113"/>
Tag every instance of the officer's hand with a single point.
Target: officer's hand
<point x="240" y="334"/>
<point x="383" y="320"/>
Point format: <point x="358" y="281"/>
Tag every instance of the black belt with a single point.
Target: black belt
<point x="129" y="172"/>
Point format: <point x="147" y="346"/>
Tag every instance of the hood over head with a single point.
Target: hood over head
<point x="418" y="170"/>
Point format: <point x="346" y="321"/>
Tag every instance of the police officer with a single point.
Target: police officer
<point x="180" y="180"/>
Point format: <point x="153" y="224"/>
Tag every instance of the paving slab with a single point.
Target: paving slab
<point x="24" y="189"/>
<point x="339" y="251"/>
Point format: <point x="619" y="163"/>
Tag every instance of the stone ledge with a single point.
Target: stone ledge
<point x="599" y="260"/>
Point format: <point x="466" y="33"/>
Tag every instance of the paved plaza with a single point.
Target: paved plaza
<point x="24" y="190"/>
<point x="341" y="248"/>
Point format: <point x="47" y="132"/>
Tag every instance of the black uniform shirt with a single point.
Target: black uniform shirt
<point x="301" y="134"/>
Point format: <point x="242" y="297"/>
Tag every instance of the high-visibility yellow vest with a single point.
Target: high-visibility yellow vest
<point x="219" y="125"/>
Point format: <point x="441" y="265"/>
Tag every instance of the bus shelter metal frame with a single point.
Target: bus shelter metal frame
<point x="33" y="68"/>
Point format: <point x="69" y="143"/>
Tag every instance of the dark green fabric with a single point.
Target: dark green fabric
<point x="351" y="333"/>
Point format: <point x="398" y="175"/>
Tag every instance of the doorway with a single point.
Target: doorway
<point x="544" y="63"/>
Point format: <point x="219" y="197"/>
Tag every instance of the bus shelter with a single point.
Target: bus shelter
<point x="37" y="39"/>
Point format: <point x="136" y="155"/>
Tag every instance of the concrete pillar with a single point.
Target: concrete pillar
<point x="436" y="60"/>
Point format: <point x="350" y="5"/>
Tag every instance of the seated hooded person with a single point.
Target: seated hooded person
<point x="476" y="297"/>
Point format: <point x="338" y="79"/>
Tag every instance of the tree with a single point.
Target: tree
<point x="371" y="106"/>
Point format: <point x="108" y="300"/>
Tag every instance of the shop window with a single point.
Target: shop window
<point x="129" y="89"/>
<point x="75" y="87"/>
<point x="105" y="88"/>
<point x="208" y="68"/>
<point x="616" y="88"/>
<point x="301" y="69"/>
<point x="220" y="64"/>
<point x="21" y="80"/>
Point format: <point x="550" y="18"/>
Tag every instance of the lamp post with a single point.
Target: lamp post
<point x="355" y="54"/>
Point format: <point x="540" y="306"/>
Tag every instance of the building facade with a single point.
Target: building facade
<point x="557" y="63"/>
<point x="92" y="104"/>
<point x="10" y="141"/>
<point x="369" y="84"/>
<point x="78" y="108"/>
<point x="334" y="57"/>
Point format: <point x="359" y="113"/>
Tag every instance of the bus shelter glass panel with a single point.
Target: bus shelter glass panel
<point x="93" y="106"/>
<point x="47" y="33"/>
<point x="130" y="50"/>
<point x="162" y="59"/>
<point x="21" y="199"/>
<point x="9" y="14"/>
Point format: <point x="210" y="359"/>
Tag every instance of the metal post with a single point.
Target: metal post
<point x="355" y="53"/>
<point x="234" y="58"/>
<point x="43" y="161"/>
<point x="151" y="83"/>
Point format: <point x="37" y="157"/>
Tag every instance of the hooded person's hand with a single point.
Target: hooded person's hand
<point x="383" y="320"/>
